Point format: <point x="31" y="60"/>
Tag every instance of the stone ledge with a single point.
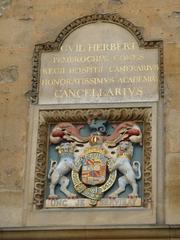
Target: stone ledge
<point x="153" y="232"/>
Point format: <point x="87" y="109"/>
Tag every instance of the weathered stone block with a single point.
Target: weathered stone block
<point x="172" y="186"/>
<point x="11" y="209"/>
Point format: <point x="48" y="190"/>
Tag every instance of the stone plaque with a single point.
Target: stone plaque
<point x="100" y="159"/>
<point x="99" y="63"/>
<point x="97" y="157"/>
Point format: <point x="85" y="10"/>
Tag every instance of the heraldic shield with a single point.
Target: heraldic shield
<point x="93" y="167"/>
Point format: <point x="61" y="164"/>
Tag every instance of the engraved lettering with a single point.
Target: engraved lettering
<point x="131" y="68"/>
<point x="51" y="71"/>
<point x="101" y="69"/>
<point x="99" y="47"/>
<point x="81" y="59"/>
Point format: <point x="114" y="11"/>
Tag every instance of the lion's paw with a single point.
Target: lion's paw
<point x="72" y="195"/>
<point x="132" y="195"/>
<point x="113" y="195"/>
<point x="53" y="196"/>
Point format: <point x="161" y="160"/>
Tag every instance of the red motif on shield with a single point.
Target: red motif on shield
<point x="94" y="169"/>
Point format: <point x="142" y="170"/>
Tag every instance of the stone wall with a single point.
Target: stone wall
<point x="24" y="23"/>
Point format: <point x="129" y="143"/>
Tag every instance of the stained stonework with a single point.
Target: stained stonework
<point x="26" y="23"/>
<point x="3" y="5"/>
<point x="9" y="74"/>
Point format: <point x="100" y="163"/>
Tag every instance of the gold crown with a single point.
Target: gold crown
<point x="65" y="148"/>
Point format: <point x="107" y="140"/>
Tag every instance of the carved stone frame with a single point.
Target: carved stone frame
<point x="47" y="117"/>
<point x="42" y="116"/>
<point x="107" y="18"/>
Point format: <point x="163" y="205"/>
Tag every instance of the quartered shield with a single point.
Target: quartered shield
<point x="94" y="166"/>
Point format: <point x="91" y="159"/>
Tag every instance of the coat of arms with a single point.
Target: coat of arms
<point x="96" y="163"/>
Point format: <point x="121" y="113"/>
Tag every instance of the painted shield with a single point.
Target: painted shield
<point x="94" y="168"/>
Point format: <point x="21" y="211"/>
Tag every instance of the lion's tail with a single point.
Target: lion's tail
<point x="137" y="169"/>
<point x="53" y="165"/>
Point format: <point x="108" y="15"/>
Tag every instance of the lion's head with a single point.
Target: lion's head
<point x="125" y="148"/>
